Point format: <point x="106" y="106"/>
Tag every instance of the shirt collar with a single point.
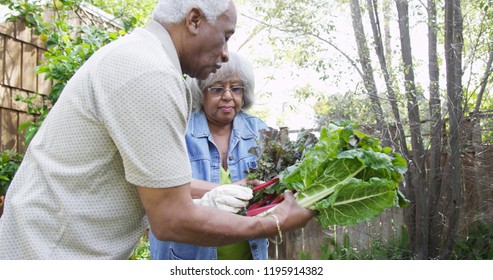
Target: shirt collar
<point x="162" y="34"/>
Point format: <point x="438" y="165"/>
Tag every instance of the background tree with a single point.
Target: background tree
<point x="417" y="164"/>
<point x="452" y="187"/>
<point x="367" y="70"/>
<point x="435" y="153"/>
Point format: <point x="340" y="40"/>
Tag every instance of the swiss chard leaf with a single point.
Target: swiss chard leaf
<point x="356" y="200"/>
<point x="346" y="176"/>
<point x="337" y="173"/>
<point x="316" y="159"/>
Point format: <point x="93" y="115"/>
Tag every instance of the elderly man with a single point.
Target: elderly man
<point x="111" y="158"/>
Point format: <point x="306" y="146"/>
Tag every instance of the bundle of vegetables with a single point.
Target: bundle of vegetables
<point x="275" y="152"/>
<point x="346" y="176"/>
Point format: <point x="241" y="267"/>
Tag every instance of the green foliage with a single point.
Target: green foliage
<point x="9" y="164"/>
<point x="131" y="12"/>
<point x="478" y="31"/>
<point x="347" y="176"/>
<point x="478" y="245"/>
<point x="331" y="250"/>
<point x="37" y="109"/>
<point x="66" y="54"/>
<point x="487" y="133"/>
<point x="27" y="11"/>
<point x="142" y="251"/>
<point x="68" y="47"/>
<point x="275" y="151"/>
<point x="393" y="249"/>
<point x="294" y="29"/>
<point x="342" y="107"/>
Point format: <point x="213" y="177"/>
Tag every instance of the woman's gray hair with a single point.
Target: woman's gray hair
<point x="174" y="11"/>
<point x="236" y="66"/>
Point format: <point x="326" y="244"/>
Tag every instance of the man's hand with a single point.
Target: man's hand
<point x="291" y="214"/>
<point x="231" y="198"/>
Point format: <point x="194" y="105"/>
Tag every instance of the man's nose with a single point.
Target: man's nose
<point x="225" y="54"/>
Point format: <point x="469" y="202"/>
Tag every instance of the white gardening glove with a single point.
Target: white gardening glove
<point x="231" y="198"/>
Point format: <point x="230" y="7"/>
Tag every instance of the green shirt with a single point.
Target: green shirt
<point x="236" y="251"/>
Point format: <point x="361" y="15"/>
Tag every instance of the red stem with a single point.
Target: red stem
<point x="262" y="202"/>
<point x="265" y="185"/>
<point x="278" y="199"/>
<point x="256" y="211"/>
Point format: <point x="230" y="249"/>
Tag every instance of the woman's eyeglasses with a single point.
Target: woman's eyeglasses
<point x="236" y="91"/>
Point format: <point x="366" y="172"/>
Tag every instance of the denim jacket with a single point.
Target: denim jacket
<point x="206" y="162"/>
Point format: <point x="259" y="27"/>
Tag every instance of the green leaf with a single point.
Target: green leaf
<point x="316" y="159"/>
<point x="336" y="174"/>
<point x="24" y="126"/>
<point x="356" y="201"/>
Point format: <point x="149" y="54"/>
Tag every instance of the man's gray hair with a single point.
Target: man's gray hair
<point x="174" y="11"/>
<point x="237" y="66"/>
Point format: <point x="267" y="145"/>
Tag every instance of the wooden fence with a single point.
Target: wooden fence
<point x="308" y="242"/>
<point x="20" y="53"/>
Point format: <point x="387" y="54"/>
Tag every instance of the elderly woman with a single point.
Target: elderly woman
<point x="218" y="139"/>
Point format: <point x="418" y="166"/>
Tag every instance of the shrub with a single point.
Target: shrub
<point x="8" y="167"/>
<point x="478" y="245"/>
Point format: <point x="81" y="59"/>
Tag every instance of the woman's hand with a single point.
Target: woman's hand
<point x="245" y="182"/>
<point x="230" y="198"/>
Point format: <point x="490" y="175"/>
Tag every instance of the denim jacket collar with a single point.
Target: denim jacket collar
<point x="200" y="128"/>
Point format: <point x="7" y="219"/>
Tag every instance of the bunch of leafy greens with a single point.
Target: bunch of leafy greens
<point x="275" y="152"/>
<point x="346" y="176"/>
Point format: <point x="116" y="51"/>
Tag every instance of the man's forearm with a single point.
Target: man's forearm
<point x="212" y="227"/>
<point x="174" y="217"/>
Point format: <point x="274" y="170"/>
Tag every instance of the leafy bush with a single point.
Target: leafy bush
<point x="393" y="249"/>
<point x="478" y="245"/>
<point x="68" y="47"/>
<point x="8" y="167"/>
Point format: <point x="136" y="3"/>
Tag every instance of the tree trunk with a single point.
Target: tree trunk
<point x="408" y="189"/>
<point x="377" y="35"/>
<point x="418" y="159"/>
<point x="368" y="78"/>
<point x="484" y="82"/>
<point x="386" y="19"/>
<point x="452" y="187"/>
<point x="434" y="176"/>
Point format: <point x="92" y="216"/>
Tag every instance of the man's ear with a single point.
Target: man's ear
<point x="193" y="20"/>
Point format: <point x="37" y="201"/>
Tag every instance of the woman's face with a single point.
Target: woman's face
<point x="223" y="101"/>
